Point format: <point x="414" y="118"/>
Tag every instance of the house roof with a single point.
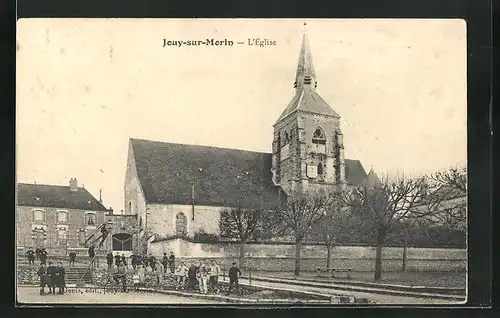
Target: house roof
<point x="54" y="196"/>
<point x="169" y="173"/>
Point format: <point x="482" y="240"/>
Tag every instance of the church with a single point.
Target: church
<point x="179" y="190"/>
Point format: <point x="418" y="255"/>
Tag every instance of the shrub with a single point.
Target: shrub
<point x="202" y="237"/>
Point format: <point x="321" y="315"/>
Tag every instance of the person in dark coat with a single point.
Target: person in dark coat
<point x="133" y="260"/>
<point x="105" y="230"/>
<point x="234" y="274"/>
<point x="164" y="261"/>
<point x="60" y="278"/>
<point x="109" y="259"/>
<point x="52" y="277"/>
<point x="124" y="260"/>
<point x="122" y="275"/>
<point x="44" y="281"/>
<point x="38" y="251"/>
<point x="171" y="262"/>
<point x="43" y="257"/>
<point x="152" y="262"/>
<point x="92" y="254"/>
<point x="72" y="258"/>
<point x="192" y="281"/>
<point x="31" y="256"/>
<point x="118" y="258"/>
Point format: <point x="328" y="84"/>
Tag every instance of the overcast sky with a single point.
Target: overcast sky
<point x="85" y="86"/>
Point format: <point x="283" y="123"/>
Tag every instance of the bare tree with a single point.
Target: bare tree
<point x="334" y="222"/>
<point x="454" y="179"/>
<point x="446" y="199"/>
<point x="380" y="205"/>
<point x="297" y="216"/>
<point x="242" y="224"/>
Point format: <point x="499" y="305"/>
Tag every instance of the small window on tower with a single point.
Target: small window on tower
<point x="307" y="79"/>
<point x="319" y="137"/>
<point x="320" y="169"/>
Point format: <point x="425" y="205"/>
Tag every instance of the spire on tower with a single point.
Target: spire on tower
<point x="305" y="76"/>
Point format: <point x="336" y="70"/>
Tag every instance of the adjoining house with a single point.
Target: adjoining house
<point x="56" y="217"/>
<point x="61" y="218"/>
<point x="179" y="190"/>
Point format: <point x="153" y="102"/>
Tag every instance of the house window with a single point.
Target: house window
<point x="62" y="217"/>
<point x="90" y="219"/>
<point x="38" y="216"/>
<point x="319" y="137"/>
<point x="62" y="236"/>
<point x="180" y="224"/>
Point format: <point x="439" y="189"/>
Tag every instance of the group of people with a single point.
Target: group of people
<point x="52" y="276"/>
<point x="145" y="260"/>
<point x="40" y="254"/>
<point x="202" y="276"/>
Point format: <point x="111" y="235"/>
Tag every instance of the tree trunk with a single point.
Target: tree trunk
<point x="378" y="261"/>
<point x="298" y="243"/>
<point x="328" y="255"/>
<point x="242" y="255"/>
<point x="405" y="249"/>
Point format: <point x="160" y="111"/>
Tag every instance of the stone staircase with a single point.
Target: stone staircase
<point x="73" y="274"/>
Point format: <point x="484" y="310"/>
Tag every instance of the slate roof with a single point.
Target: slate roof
<point x="221" y="177"/>
<point x="355" y="174"/>
<point x="372" y="179"/>
<point x="53" y="196"/>
<point x="309" y="101"/>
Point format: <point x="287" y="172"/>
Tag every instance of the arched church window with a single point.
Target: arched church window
<point x="319" y="137"/>
<point x="129" y="207"/>
<point x="180" y="224"/>
<point x="320" y="169"/>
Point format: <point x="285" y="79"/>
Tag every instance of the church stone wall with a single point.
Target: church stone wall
<point x="291" y="173"/>
<point x="288" y="167"/>
<point x="281" y="257"/>
<point x="162" y="219"/>
<point x="134" y="200"/>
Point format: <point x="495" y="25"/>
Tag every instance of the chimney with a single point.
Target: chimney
<point x="73" y="185"/>
<point x="110" y="211"/>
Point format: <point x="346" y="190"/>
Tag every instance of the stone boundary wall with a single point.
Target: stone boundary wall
<point x="280" y="257"/>
<point x="27" y="275"/>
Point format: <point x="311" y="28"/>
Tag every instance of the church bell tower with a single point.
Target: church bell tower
<point x="308" y="150"/>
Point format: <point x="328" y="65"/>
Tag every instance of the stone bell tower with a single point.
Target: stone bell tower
<point x="308" y="150"/>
